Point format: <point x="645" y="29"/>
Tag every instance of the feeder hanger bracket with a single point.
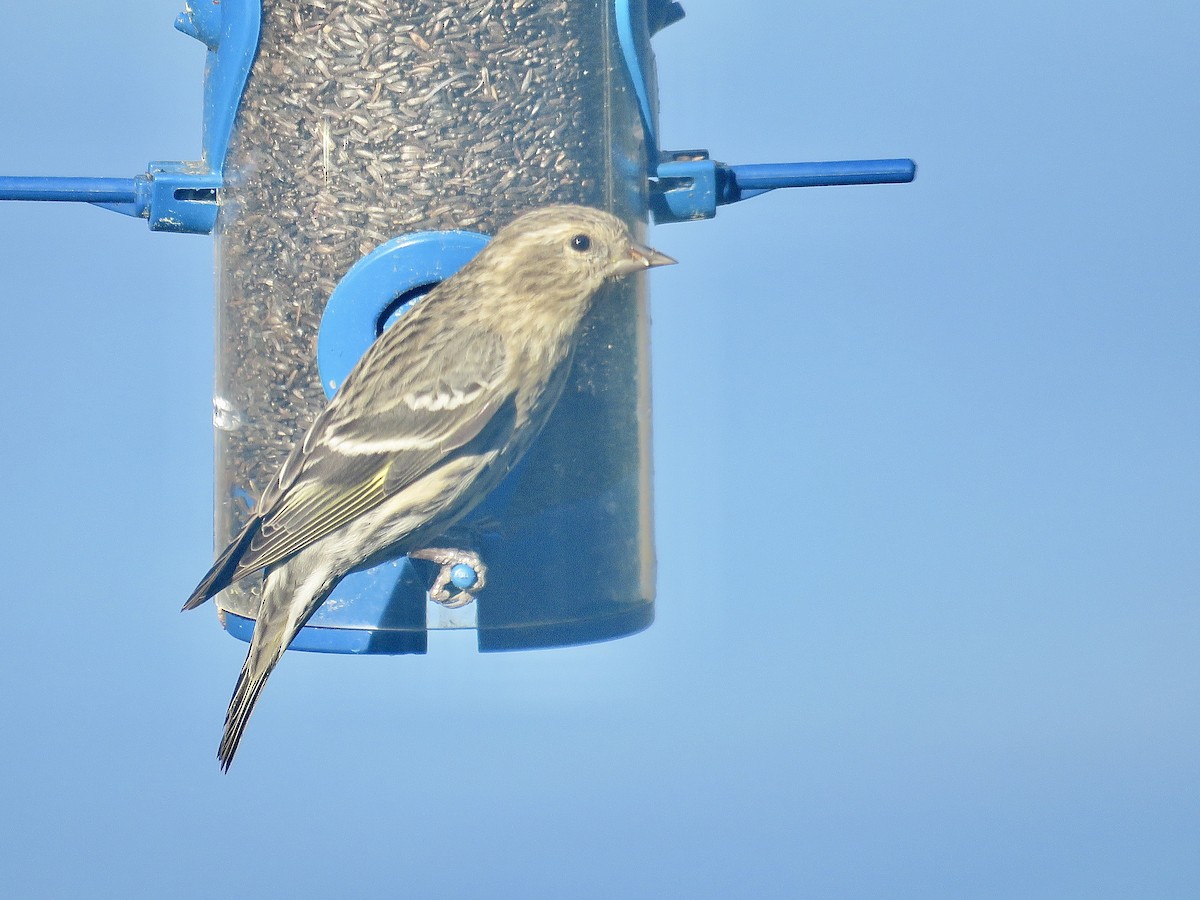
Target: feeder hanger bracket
<point x="176" y="196"/>
<point x="686" y="185"/>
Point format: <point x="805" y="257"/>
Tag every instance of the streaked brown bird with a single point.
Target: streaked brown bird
<point x="435" y="413"/>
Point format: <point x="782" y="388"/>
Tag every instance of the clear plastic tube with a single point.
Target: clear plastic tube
<point x="369" y="119"/>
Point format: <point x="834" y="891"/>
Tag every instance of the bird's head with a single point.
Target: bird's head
<point x="567" y="252"/>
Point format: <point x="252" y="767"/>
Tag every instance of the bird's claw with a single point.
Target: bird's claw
<point x="449" y="558"/>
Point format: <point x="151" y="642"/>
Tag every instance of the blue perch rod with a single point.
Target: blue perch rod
<point x="751" y="180"/>
<point x="78" y="190"/>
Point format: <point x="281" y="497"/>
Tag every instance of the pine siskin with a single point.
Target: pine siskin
<point x="440" y="407"/>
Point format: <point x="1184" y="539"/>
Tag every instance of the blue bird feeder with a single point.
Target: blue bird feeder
<point x="354" y="155"/>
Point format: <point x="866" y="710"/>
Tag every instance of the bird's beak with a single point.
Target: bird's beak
<point x="642" y="257"/>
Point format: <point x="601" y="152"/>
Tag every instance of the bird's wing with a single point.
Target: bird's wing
<point x="424" y="406"/>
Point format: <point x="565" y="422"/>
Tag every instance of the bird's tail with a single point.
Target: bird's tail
<point x="249" y="685"/>
<point x="283" y="611"/>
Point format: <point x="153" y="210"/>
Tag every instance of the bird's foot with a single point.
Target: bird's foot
<point x="462" y="569"/>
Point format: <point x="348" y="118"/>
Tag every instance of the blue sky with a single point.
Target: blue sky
<point x="928" y="510"/>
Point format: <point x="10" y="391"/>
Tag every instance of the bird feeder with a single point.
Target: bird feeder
<point x="357" y="153"/>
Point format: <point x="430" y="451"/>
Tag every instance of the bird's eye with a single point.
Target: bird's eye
<point x="581" y="242"/>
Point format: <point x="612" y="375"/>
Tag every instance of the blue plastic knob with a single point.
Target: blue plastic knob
<point x="463" y="577"/>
